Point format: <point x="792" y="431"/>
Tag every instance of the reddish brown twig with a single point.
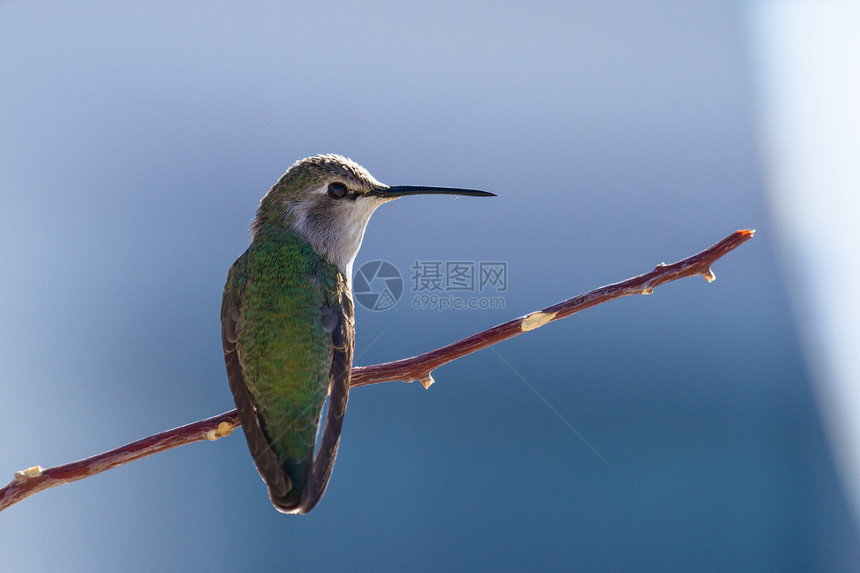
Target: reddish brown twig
<point x="419" y="367"/>
<point x="35" y="479"/>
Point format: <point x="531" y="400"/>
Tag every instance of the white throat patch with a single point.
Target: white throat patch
<point x="334" y="228"/>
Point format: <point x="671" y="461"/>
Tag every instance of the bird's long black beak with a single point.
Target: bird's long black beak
<point x="403" y="190"/>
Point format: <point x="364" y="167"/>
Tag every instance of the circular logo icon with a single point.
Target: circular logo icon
<point x="377" y="285"/>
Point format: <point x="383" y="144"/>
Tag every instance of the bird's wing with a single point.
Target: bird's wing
<point x="337" y="316"/>
<point x="264" y="457"/>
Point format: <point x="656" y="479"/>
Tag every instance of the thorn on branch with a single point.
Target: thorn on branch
<point x="537" y="319"/>
<point x="29" y="473"/>
<point x="223" y="430"/>
<point x="426" y="380"/>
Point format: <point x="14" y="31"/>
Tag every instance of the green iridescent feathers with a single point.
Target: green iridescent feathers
<point x="281" y="304"/>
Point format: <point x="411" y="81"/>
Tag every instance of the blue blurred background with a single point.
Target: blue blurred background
<point x="135" y="142"/>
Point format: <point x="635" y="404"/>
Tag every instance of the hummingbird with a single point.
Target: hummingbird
<point x="287" y="320"/>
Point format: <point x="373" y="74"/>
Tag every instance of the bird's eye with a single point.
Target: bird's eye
<point x="337" y="191"/>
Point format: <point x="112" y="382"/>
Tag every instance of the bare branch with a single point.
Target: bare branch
<point x="420" y="367"/>
<point x="35" y="479"/>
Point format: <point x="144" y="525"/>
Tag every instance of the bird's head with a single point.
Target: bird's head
<point x="328" y="200"/>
